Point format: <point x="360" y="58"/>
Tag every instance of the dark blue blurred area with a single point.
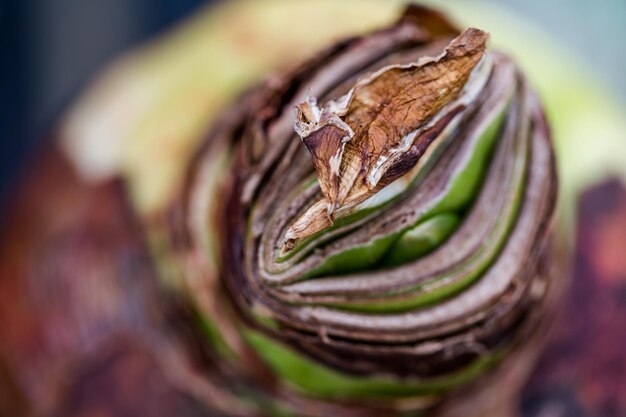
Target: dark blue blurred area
<point x="49" y="49"/>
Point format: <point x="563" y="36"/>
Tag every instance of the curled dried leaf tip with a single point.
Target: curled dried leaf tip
<point x="372" y="135"/>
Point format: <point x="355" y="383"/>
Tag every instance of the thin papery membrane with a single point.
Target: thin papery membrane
<point x="359" y="142"/>
<point x="470" y="92"/>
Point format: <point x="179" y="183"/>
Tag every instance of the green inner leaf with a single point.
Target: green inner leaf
<point x="421" y="239"/>
<point x="317" y="379"/>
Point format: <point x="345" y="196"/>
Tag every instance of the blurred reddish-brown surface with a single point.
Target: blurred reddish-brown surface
<point x="80" y="316"/>
<point x="583" y="370"/>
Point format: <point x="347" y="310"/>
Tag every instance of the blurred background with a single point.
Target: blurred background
<point x="51" y="49"/>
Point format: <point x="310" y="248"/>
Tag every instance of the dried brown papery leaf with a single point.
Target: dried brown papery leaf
<point x="370" y="132"/>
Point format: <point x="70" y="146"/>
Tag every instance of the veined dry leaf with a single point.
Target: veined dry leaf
<point x="369" y="137"/>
